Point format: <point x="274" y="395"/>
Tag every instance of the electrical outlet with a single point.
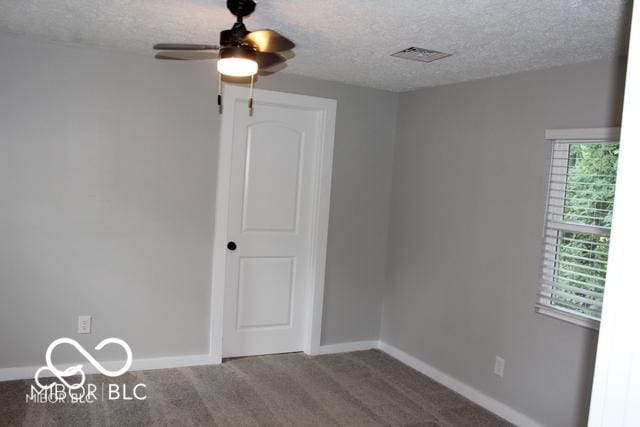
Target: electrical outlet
<point x="498" y="368"/>
<point x="84" y="324"/>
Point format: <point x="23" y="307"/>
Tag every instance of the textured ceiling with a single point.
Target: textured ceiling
<point x="350" y="41"/>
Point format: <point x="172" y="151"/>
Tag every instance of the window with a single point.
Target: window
<point x="578" y="224"/>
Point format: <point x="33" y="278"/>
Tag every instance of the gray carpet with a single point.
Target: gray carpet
<point x="365" y="388"/>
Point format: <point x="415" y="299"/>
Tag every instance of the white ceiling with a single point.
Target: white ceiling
<point x="348" y="40"/>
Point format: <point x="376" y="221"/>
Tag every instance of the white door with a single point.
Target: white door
<point x="615" y="397"/>
<point x="269" y="225"/>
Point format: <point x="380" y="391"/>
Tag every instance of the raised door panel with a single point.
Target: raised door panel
<point x="272" y="178"/>
<point x="265" y="292"/>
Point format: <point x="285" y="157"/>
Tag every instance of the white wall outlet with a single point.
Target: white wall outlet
<point x="498" y="368"/>
<point x="84" y="324"/>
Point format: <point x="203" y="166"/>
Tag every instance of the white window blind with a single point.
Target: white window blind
<point x="578" y="222"/>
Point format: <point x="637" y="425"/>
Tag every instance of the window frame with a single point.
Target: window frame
<point x="570" y="136"/>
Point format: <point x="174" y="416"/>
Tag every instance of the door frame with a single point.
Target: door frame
<point x="320" y="202"/>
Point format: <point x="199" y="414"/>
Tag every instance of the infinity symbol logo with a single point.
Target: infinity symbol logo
<point x="77" y="369"/>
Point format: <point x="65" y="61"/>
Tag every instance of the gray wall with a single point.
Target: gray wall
<point x="107" y="187"/>
<point x="466" y="224"/>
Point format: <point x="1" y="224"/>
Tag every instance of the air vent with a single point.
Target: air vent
<point x="420" y="54"/>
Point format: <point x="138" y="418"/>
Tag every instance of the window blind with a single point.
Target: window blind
<point x="580" y="199"/>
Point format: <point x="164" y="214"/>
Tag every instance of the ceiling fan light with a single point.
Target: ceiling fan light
<point x="237" y="62"/>
<point x="237" y="67"/>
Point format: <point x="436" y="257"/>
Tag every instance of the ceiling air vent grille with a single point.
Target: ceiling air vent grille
<point x="420" y="54"/>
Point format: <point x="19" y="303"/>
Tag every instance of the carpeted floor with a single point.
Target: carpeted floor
<point x="365" y="388"/>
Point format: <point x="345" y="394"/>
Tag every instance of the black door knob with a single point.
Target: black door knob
<point x="232" y="246"/>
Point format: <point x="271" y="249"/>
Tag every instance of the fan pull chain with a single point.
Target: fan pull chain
<point x="251" y="97"/>
<point x="220" y="93"/>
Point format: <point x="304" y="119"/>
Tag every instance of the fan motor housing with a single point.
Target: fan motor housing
<point x="234" y="36"/>
<point x="237" y="52"/>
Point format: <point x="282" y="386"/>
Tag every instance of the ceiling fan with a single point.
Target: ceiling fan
<point x="241" y="53"/>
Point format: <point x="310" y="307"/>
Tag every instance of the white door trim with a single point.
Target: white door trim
<point x="321" y="192"/>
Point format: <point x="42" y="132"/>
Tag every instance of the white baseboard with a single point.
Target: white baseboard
<point x="27" y="372"/>
<point x="348" y="346"/>
<point x="459" y="387"/>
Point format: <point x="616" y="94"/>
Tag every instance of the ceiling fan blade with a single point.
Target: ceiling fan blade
<point x="182" y="46"/>
<point x="187" y="55"/>
<point x="268" y="41"/>
<point x="268" y="59"/>
<point x="168" y="57"/>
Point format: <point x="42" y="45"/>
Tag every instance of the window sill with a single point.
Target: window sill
<point x="568" y="317"/>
